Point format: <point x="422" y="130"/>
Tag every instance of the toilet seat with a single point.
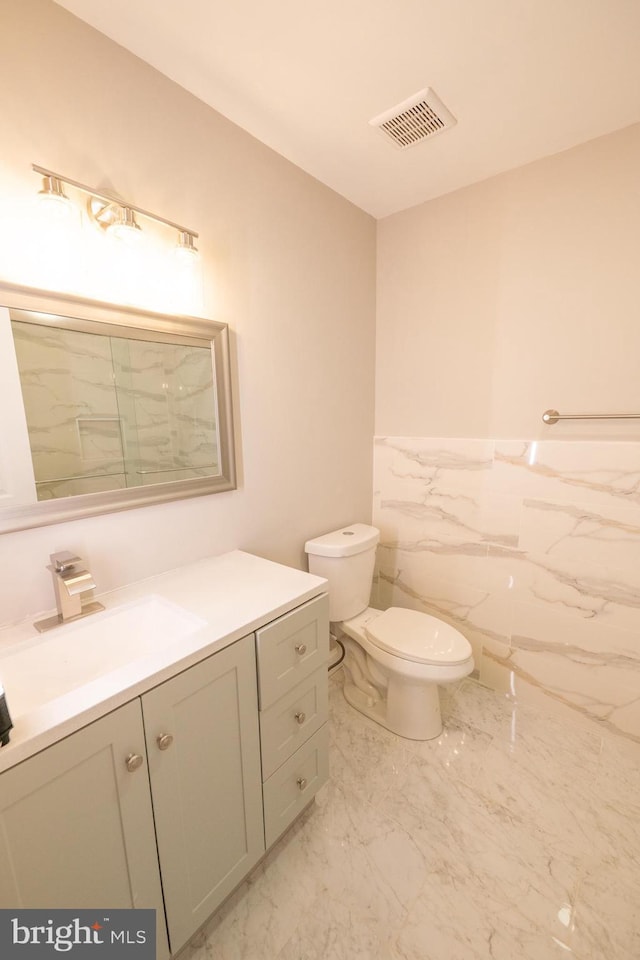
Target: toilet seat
<point x="418" y="637"/>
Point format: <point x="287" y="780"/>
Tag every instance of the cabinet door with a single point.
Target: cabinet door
<point x="204" y="763"/>
<point x="76" y="826"/>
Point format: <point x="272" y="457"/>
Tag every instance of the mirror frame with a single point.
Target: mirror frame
<point x="43" y="512"/>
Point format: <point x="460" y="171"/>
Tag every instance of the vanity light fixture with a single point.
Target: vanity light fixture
<point x="124" y="227"/>
<point x="186" y="251"/>
<point x="116" y="216"/>
<point x="53" y="197"/>
<point x="186" y="242"/>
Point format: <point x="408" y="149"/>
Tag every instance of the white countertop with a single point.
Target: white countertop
<point x="218" y="600"/>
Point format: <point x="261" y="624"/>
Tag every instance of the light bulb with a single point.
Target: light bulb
<point x="53" y="200"/>
<point x="186" y="253"/>
<point x="124" y="229"/>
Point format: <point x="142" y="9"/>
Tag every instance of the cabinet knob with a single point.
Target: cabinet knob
<point x="134" y="762"/>
<point x="164" y="741"/>
<point x="301" y="648"/>
<point x="301" y="716"/>
<point x="301" y="783"/>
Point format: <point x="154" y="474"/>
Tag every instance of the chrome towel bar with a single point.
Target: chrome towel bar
<point x="552" y="416"/>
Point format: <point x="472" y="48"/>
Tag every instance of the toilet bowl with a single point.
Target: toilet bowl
<point x="394" y="659"/>
<point x="394" y="663"/>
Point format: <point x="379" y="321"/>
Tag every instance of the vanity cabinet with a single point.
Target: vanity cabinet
<point x="76" y="825"/>
<point x="169" y="801"/>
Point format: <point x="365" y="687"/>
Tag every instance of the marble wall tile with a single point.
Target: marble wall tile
<point x="587" y="642"/>
<point x="596" y="472"/>
<point x="441" y="488"/>
<point x="562" y="683"/>
<point x="607" y="535"/>
<point x="581" y="589"/>
<point x="457" y="563"/>
<point x="531" y="549"/>
<point x="444" y="463"/>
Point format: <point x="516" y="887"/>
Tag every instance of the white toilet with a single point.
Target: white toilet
<point x="394" y="659"/>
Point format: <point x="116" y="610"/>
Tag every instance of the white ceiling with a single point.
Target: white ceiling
<point x="524" y="78"/>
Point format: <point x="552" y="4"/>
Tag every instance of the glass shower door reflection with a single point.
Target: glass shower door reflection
<point x="107" y="412"/>
<point x="166" y="402"/>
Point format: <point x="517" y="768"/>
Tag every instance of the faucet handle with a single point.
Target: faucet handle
<point x="63" y="561"/>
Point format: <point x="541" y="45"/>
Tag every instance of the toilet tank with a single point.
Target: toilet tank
<point x="346" y="559"/>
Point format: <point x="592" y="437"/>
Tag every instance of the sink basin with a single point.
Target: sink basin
<point x="74" y="654"/>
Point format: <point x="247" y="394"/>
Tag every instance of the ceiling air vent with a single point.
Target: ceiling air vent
<point x="422" y="115"/>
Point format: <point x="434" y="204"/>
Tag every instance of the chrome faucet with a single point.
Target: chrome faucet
<point x="70" y="582"/>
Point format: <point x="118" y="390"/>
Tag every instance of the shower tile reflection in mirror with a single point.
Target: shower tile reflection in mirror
<point x="107" y="412"/>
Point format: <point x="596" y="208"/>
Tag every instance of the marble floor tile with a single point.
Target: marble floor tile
<point x="513" y="836"/>
<point x="607" y="917"/>
<point x="459" y="920"/>
<point x="618" y="782"/>
<point x="365" y="759"/>
<point x="460" y="748"/>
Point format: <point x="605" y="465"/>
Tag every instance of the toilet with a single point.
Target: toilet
<point x="394" y="659"/>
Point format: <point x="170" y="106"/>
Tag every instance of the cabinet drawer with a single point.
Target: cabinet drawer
<point x="291" y="648"/>
<point x="292" y="719"/>
<point x="294" y="784"/>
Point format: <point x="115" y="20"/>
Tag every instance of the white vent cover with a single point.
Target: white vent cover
<point x="422" y="115"/>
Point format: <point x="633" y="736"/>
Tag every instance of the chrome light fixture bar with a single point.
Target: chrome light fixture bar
<point x="108" y="210"/>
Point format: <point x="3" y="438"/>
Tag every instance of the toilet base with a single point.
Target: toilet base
<point x="407" y="708"/>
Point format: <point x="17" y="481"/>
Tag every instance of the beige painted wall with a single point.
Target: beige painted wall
<point x="512" y="296"/>
<point x="287" y="263"/>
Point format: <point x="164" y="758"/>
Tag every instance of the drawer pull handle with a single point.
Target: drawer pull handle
<point x="301" y="717"/>
<point x="301" y="783"/>
<point x="301" y="648"/>
<point x="164" y="741"/>
<point x="134" y="762"/>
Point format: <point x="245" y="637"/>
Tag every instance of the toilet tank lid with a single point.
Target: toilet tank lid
<point x="356" y="538"/>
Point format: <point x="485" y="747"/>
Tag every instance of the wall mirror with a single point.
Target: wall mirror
<point x="106" y="408"/>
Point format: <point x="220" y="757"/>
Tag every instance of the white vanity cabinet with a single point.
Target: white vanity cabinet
<point x="76" y="826"/>
<point x="204" y="765"/>
<point x="293" y="687"/>
<point x="170" y="799"/>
